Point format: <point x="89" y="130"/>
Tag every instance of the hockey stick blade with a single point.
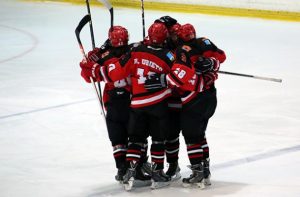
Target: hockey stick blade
<point x="82" y="23"/>
<point x="251" y="76"/>
<point x="108" y="5"/>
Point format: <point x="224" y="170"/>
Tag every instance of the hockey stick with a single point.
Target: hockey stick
<point x="111" y="10"/>
<point x="82" y="23"/>
<point x="252" y="76"/>
<point x="99" y="93"/>
<point x="143" y="18"/>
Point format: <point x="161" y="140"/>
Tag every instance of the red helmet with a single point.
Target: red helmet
<point x="174" y="29"/>
<point x="187" y="32"/>
<point x="157" y="33"/>
<point x="118" y="36"/>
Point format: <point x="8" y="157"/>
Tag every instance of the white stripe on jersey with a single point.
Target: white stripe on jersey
<point x="169" y="80"/>
<point x="188" y="96"/>
<point x="103" y="74"/>
<point x="151" y="99"/>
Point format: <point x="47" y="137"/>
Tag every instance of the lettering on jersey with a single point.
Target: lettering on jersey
<point x="193" y="80"/>
<point x="136" y="61"/>
<point x="207" y="42"/>
<point x="151" y="64"/>
<point x="170" y="56"/>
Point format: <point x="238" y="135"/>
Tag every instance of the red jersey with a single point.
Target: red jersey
<point x="105" y="59"/>
<point x="140" y="62"/>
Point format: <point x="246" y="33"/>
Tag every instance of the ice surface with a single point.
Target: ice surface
<point x="53" y="141"/>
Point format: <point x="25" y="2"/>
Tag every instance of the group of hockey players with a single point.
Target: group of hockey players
<point x="157" y="88"/>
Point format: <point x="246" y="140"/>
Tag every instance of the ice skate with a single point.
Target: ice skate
<point x="120" y="174"/>
<point x="196" y="178"/>
<point x="142" y="178"/>
<point x="159" y="178"/>
<point x="174" y="171"/>
<point x="147" y="167"/>
<point x="206" y="172"/>
<point x="129" y="177"/>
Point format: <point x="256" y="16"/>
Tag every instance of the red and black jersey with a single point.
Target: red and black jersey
<point x="105" y="59"/>
<point x="183" y="75"/>
<point x="208" y="49"/>
<point x="140" y="62"/>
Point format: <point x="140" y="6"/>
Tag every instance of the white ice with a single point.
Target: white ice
<point x="53" y="142"/>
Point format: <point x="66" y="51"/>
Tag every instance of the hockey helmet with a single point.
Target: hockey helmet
<point x="174" y="29"/>
<point x="157" y="33"/>
<point x="187" y="32"/>
<point x="118" y="36"/>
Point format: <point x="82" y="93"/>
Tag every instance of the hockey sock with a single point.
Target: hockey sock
<point x="172" y="150"/>
<point x="195" y="153"/>
<point x="205" y="148"/>
<point x="158" y="154"/>
<point x="120" y="154"/>
<point x="133" y="152"/>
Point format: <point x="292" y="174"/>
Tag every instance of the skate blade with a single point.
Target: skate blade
<point x="128" y="185"/>
<point x="200" y="185"/>
<point x="140" y="183"/>
<point x="207" y="182"/>
<point x="176" y="177"/>
<point x="156" y="185"/>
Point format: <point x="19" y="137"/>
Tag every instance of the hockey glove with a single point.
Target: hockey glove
<point x="203" y="65"/>
<point x="167" y="20"/>
<point x="209" y="78"/>
<point x="155" y="82"/>
<point x="90" y="69"/>
<point x="94" y="55"/>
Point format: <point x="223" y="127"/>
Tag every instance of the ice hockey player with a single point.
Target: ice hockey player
<point x="205" y="56"/>
<point x="116" y="98"/>
<point x="199" y="100"/>
<point x="174" y="103"/>
<point x="205" y="48"/>
<point x="149" y="111"/>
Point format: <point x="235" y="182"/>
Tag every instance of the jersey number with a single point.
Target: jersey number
<point x="142" y="78"/>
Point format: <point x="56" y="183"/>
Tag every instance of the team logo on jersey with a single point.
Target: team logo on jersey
<point x="170" y="56"/>
<point x="207" y="42"/>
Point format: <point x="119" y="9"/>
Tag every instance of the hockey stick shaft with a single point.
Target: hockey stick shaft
<point x="90" y="22"/>
<point x="108" y="5"/>
<point x="143" y="18"/>
<point x="99" y="92"/>
<point x="78" y="29"/>
<point x="251" y="76"/>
